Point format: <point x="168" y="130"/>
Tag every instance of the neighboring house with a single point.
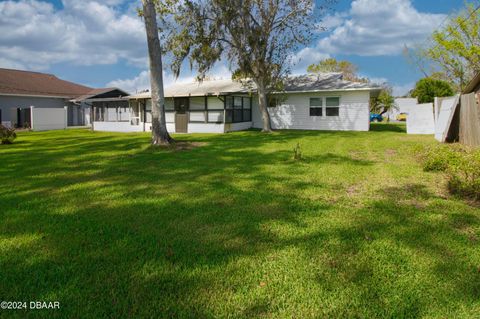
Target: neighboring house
<point x="22" y="90"/>
<point x="309" y="102"/>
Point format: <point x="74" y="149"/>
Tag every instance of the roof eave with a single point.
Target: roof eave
<point x="331" y="90"/>
<point x="37" y="95"/>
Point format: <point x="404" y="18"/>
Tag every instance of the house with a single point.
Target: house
<point x="22" y="90"/>
<point x="308" y="102"/>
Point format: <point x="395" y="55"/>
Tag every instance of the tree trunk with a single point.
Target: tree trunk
<point x="160" y="134"/>
<point x="262" y="105"/>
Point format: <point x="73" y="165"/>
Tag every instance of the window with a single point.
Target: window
<point x="238" y="109"/>
<point x="214" y="103"/>
<point x="169" y="106"/>
<point x="215" y="116"/>
<point x="197" y="103"/>
<point x="197" y="116"/>
<point x="316" y="101"/>
<point x="315" y="111"/>
<point x="229" y="102"/>
<point x="333" y="101"/>
<point x="237" y="102"/>
<point x="332" y="111"/>
<point x="328" y="106"/>
<point x="332" y="108"/>
<point x="316" y="106"/>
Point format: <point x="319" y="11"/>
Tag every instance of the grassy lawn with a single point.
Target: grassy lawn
<point x="234" y="227"/>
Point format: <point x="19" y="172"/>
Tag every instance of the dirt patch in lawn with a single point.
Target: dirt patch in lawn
<point x="186" y="146"/>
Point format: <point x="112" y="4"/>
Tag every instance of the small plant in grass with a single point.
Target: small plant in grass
<point x="297" y="152"/>
<point x="7" y="135"/>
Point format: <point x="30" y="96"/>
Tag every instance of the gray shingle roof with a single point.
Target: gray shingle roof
<point x="302" y="83"/>
<point x="324" y="82"/>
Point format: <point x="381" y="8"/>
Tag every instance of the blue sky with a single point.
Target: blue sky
<point x="102" y="43"/>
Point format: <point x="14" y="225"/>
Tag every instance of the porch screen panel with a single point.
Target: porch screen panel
<point x="170" y="117"/>
<point x="214" y="103"/>
<point x="169" y="106"/>
<point x="111" y="114"/>
<point x="197" y="103"/>
<point x="197" y="116"/>
<point x="247" y="109"/>
<point x="123" y="114"/>
<point x="148" y="113"/>
<point x="215" y="116"/>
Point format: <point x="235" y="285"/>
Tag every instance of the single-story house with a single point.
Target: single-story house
<point x="22" y="90"/>
<point x="308" y="102"/>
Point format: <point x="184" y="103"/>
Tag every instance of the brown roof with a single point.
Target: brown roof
<point x="93" y="93"/>
<point x="17" y="82"/>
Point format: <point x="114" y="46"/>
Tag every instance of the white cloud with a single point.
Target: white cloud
<point x="303" y="58"/>
<point x="34" y="34"/>
<point x="401" y="90"/>
<point x="378" y="27"/>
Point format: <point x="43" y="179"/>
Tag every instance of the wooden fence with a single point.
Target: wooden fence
<point x="469" y="119"/>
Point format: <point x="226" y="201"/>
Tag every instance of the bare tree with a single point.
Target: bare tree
<point x="257" y="38"/>
<point x="160" y="134"/>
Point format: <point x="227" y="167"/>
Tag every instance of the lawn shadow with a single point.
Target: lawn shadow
<point x="388" y="127"/>
<point x="186" y="234"/>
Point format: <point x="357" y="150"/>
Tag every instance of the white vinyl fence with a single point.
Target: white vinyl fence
<point x="420" y="119"/>
<point x="48" y="118"/>
<point x="444" y="111"/>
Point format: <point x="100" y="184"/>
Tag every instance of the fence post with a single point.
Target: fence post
<point x="66" y="117"/>
<point x="31" y="118"/>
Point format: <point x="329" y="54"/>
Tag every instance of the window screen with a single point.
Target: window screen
<point x="169" y="106"/>
<point x="197" y="116"/>
<point x="332" y="111"/>
<point x="215" y="116"/>
<point x="214" y="103"/>
<point x="316" y="101"/>
<point x="197" y="103"/>
<point x="315" y="111"/>
<point x="332" y="101"/>
<point x="237" y="102"/>
<point x="229" y="102"/>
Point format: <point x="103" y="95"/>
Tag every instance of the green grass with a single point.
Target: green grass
<point x="234" y="228"/>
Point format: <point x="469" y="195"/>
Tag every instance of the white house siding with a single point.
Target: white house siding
<point x="294" y="112"/>
<point x="230" y="127"/>
<point x="205" y="128"/>
<point x="117" y="127"/>
<point x="43" y="119"/>
<point x="9" y="105"/>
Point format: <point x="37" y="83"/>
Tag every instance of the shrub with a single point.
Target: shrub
<point x="464" y="177"/>
<point x="7" y="135"/>
<point x="440" y="158"/>
<point x="461" y="166"/>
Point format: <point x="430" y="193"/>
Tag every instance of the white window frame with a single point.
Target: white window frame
<point x="324" y="106"/>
